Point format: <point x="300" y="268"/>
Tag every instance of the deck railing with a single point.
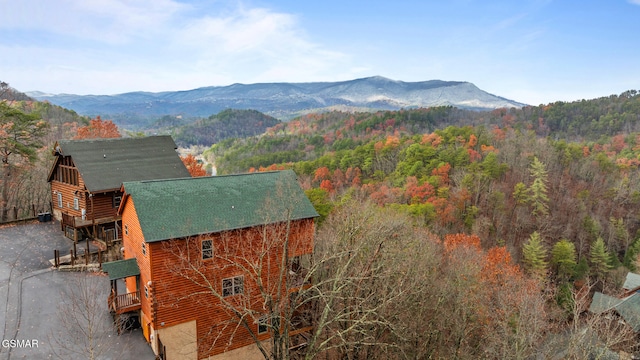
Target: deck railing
<point x="123" y="302"/>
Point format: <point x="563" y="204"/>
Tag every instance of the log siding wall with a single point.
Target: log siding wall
<point x="132" y="239"/>
<point x="175" y="293"/>
<point x="68" y="182"/>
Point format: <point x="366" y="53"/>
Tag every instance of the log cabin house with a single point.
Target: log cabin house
<point x="86" y="177"/>
<point x="202" y="256"/>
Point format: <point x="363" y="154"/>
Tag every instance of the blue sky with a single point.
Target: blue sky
<point x="532" y="51"/>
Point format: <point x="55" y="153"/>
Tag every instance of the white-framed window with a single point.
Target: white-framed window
<point x="76" y="203"/>
<point x="233" y="286"/>
<point x="207" y="249"/>
<point x="60" y="204"/>
<point x="126" y="229"/>
<point x="146" y="291"/>
<point x="144" y="248"/>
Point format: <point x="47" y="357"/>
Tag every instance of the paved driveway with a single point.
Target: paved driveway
<point x="36" y="314"/>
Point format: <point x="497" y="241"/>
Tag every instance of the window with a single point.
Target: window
<point x="207" y="249"/>
<point x="126" y="229"/>
<point x="146" y="291"/>
<point x="116" y="201"/>
<point x="76" y="203"/>
<point x="144" y="248"/>
<point x="60" y="200"/>
<point x="232" y="286"/>
<point x="263" y="325"/>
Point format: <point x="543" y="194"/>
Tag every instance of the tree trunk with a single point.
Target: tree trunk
<point x="6" y="174"/>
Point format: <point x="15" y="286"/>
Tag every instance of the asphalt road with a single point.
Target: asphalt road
<point x="36" y="314"/>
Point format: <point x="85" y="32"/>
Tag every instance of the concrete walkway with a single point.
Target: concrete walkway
<point x="34" y="297"/>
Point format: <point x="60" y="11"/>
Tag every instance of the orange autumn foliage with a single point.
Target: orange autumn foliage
<point x="498" y="267"/>
<point x="272" y="167"/>
<point x="443" y="172"/>
<point x="433" y="139"/>
<point x="327" y="186"/>
<point x="98" y="129"/>
<point x="454" y="241"/>
<point x="322" y="173"/>
<point x="194" y="167"/>
<point x="418" y="193"/>
<point x="473" y="140"/>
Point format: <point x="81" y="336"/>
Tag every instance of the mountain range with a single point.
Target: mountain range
<point x="281" y="100"/>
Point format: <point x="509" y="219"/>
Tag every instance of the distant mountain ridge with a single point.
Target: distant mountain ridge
<point x="283" y="100"/>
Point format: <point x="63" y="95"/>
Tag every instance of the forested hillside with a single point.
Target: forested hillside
<point x="226" y="124"/>
<point x="591" y="121"/>
<point x="553" y="191"/>
<point x="29" y="129"/>
<point x="472" y="178"/>
<point x="462" y="234"/>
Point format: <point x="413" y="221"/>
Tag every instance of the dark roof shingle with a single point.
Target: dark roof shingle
<point x="105" y="164"/>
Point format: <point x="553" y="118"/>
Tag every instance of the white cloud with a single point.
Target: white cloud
<point x="110" y="21"/>
<point x="257" y="45"/>
<point x="110" y="46"/>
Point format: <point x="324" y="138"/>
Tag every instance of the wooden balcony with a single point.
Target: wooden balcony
<point x="124" y="303"/>
<point x="79" y="222"/>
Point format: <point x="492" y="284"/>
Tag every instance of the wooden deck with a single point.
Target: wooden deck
<point x="78" y="222"/>
<point x="124" y="303"/>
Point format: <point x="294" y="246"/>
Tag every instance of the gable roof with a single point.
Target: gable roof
<point x="628" y="308"/>
<point x="602" y="303"/>
<point x="631" y="282"/>
<point x="177" y="208"/>
<point x="105" y="164"/>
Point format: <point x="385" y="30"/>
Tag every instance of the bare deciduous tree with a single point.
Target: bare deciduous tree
<point x="85" y="329"/>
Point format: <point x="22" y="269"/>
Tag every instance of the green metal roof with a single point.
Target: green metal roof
<point x="105" y="164"/>
<point x="629" y="309"/>
<point x="631" y="282"/>
<point x="121" y="269"/>
<point x="602" y="303"/>
<point x="177" y="208"/>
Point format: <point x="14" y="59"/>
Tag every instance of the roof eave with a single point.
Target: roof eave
<point x="220" y="230"/>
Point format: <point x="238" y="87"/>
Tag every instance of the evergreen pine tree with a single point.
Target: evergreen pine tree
<point x="534" y="256"/>
<point x="563" y="257"/>
<point x="599" y="258"/>
<point x="538" y="190"/>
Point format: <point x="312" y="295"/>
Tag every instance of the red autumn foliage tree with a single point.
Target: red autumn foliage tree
<point x="473" y="140"/>
<point x="443" y="172"/>
<point x="418" y="193"/>
<point x="618" y="143"/>
<point x="322" y="173"/>
<point x="353" y="175"/>
<point x="498" y="267"/>
<point x="194" y="167"/>
<point x="338" y="179"/>
<point x="98" y="129"/>
<point x="327" y="186"/>
<point x="272" y="167"/>
<point x="453" y="241"/>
